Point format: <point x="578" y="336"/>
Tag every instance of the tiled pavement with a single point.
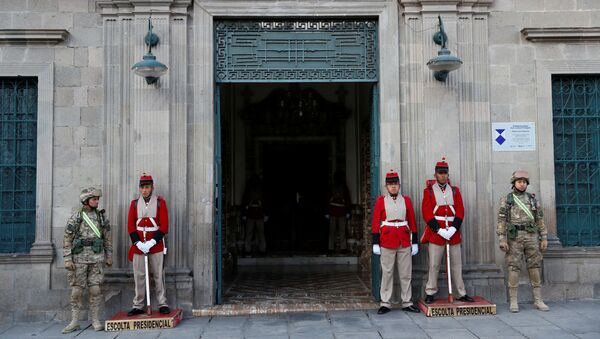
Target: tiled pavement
<point x="336" y="283"/>
<point x="574" y="319"/>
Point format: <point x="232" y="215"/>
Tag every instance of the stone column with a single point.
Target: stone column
<point x="201" y="165"/>
<point x="450" y="119"/>
<point x="146" y="125"/>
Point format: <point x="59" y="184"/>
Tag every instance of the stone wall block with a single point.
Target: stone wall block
<point x="558" y="271"/>
<point x="91" y="76"/>
<point x="95" y="96"/>
<point x="63" y="96"/>
<point x="560" y="5"/>
<point x="63" y="56"/>
<point x="63" y="136"/>
<point x="80" y="96"/>
<point x="91" y="116"/>
<point x="579" y="291"/>
<point x="86" y="37"/>
<point x="80" y="57"/>
<point x="62" y="175"/>
<point x="66" y="155"/>
<point x="67" y="76"/>
<point x="42" y="5"/>
<point x="26" y="19"/>
<point x="58" y="20"/>
<point x="73" y="6"/>
<point x="66" y="116"/>
<point x="589" y="272"/>
<point x="96" y="56"/>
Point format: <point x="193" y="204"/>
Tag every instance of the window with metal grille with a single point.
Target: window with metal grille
<point x="576" y="124"/>
<point x="18" y="136"/>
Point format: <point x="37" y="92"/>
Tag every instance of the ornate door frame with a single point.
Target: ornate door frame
<point x="203" y="115"/>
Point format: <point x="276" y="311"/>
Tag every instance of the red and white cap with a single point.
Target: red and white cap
<point x="441" y="166"/>
<point x="392" y="177"/>
<point x="146" y="179"/>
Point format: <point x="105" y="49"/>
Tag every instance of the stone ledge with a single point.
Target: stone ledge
<point x="125" y="276"/>
<point x="33" y="36"/>
<point x="278" y="308"/>
<point x="573" y="252"/>
<point x="40" y="253"/>
<point x="561" y="34"/>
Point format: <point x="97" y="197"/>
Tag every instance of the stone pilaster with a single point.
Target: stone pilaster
<point x="146" y="125"/>
<point x="455" y="112"/>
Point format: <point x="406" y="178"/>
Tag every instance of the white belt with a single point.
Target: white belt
<point x="147" y="229"/>
<point x="394" y="224"/>
<point x="444" y="218"/>
<point x="336" y="204"/>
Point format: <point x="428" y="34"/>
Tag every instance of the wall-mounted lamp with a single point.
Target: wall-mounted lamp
<point x="149" y="67"/>
<point x="444" y="62"/>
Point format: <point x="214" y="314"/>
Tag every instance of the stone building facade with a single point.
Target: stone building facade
<point x="100" y="124"/>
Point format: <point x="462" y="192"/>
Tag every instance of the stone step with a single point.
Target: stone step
<point x="275" y="308"/>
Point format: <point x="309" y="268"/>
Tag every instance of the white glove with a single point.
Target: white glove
<point x="443" y="233"/>
<point x="347" y="215"/>
<point x="150" y="244"/>
<point x="414" y="249"/>
<point x="266" y="218"/>
<point x="141" y="246"/>
<point x="451" y="231"/>
<point x="376" y="249"/>
<point x="244" y="218"/>
<point x="326" y="216"/>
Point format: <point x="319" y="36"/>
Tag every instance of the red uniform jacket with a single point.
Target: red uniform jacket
<point x="427" y="207"/>
<point x="162" y="220"/>
<point x="389" y="236"/>
<point x="340" y="203"/>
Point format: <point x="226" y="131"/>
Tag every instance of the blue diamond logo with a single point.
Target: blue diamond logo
<point x="500" y="131"/>
<point x="500" y="140"/>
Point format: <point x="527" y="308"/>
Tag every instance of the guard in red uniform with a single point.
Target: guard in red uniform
<point x="147" y="225"/>
<point x="395" y="239"/>
<point x="443" y="211"/>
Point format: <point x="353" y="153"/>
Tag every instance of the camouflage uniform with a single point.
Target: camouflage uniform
<point x="85" y="255"/>
<point x="522" y="232"/>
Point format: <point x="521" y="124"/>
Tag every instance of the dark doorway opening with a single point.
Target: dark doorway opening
<point x="281" y="147"/>
<point x="296" y="175"/>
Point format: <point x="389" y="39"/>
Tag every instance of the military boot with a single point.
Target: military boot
<point x="95" y="297"/>
<point x="513" y="287"/>
<point x="536" y="282"/>
<point x="75" y="308"/>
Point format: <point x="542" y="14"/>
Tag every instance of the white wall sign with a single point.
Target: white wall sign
<point x="513" y="136"/>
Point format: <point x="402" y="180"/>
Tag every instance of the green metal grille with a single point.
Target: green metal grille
<point x="18" y="135"/>
<point x="576" y="120"/>
<point x="326" y="50"/>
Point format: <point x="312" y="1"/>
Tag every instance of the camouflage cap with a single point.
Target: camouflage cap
<point x="519" y="174"/>
<point x="88" y="193"/>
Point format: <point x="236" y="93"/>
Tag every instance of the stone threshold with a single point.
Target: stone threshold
<point x="280" y="308"/>
<point x="298" y="260"/>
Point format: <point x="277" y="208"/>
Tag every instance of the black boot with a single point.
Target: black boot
<point x="135" y="311"/>
<point x="411" y="308"/>
<point x="466" y="298"/>
<point x="383" y="310"/>
<point x="428" y="299"/>
<point x="164" y="310"/>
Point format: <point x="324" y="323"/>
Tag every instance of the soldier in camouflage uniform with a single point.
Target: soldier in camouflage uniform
<point x="87" y="247"/>
<point x="521" y="231"/>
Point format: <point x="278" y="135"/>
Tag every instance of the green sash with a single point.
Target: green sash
<point x="90" y="223"/>
<point x="523" y="207"/>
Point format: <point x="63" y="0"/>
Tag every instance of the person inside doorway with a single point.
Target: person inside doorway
<point x="253" y="214"/>
<point x="339" y="211"/>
